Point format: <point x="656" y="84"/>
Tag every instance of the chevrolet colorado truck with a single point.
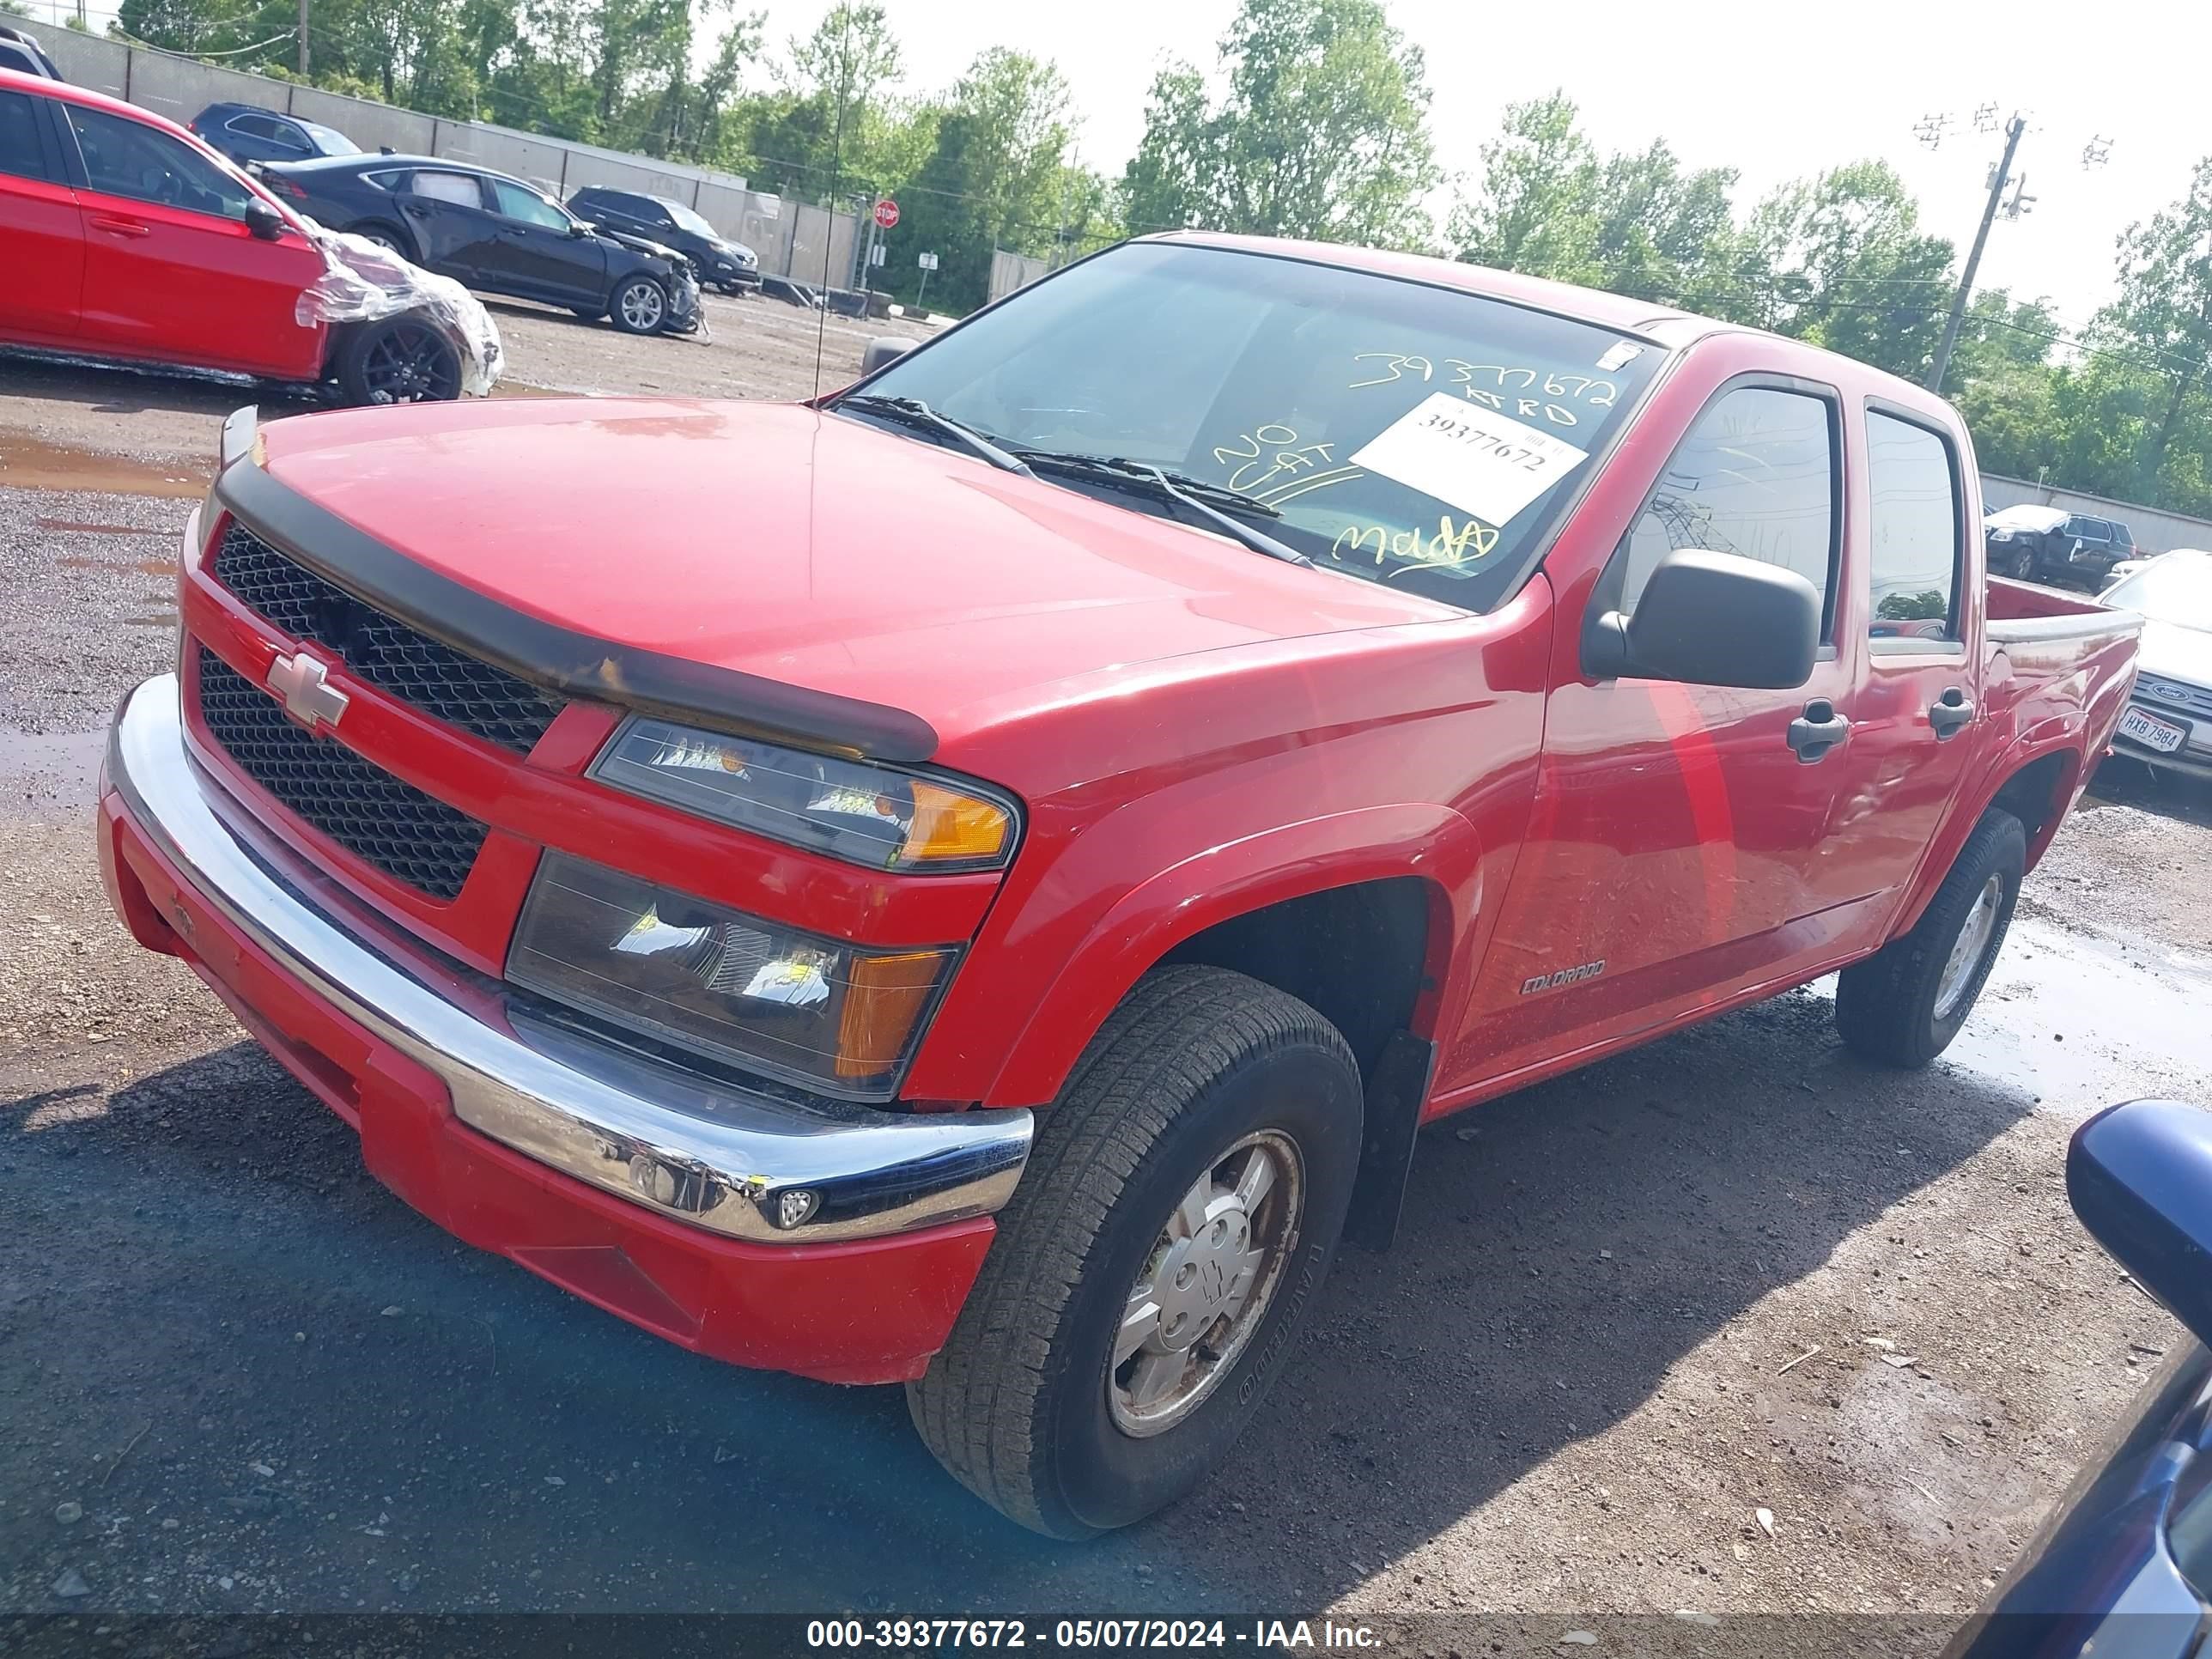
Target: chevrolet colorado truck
<point x="975" y="881"/>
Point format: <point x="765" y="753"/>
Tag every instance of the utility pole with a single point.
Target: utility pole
<point x="1999" y="180"/>
<point x="303" y="39"/>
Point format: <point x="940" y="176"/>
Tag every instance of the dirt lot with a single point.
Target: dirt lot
<point x="256" y="1380"/>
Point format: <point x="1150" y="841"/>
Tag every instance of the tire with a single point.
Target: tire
<point x="1199" y="1070"/>
<point x="2023" y="565"/>
<point x="640" y="306"/>
<point x="1902" y="1006"/>
<point x="400" y="360"/>
<point x="383" y="236"/>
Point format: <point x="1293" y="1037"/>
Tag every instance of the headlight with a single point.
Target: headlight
<point x="716" y="982"/>
<point x="851" y="810"/>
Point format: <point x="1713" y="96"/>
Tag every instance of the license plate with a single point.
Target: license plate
<point x="2151" y="731"/>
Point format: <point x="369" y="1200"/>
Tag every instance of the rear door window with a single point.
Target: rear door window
<point x="1912" y="531"/>
<point x="20" y="152"/>
<point x="459" y="189"/>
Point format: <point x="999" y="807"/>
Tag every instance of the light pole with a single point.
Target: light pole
<point x="1998" y="179"/>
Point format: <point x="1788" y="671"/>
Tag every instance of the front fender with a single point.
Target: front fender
<point x="1432" y="843"/>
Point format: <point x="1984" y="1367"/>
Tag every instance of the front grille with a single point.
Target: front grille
<point x="372" y="815"/>
<point x="382" y="650"/>
<point x="2154" y="691"/>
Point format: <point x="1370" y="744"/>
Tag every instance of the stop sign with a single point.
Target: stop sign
<point x="887" y="213"/>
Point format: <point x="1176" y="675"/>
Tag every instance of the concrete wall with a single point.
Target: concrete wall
<point x="788" y="243"/>
<point x="1011" y="270"/>
<point x="2154" y="531"/>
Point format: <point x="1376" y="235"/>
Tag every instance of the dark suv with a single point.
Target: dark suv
<point x="19" y="51"/>
<point x="731" y="266"/>
<point x="2049" y="544"/>
<point x="496" y="234"/>
<point x="245" y="133"/>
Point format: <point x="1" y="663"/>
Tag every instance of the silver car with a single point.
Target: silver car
<point x="2168" y="721"/>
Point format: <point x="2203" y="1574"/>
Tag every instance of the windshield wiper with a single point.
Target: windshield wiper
<point x="912" y="411"/>
<point x="1193" y="493"/>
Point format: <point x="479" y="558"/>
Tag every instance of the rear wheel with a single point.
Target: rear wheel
<point x="640" y="306"/>
<point x="1904" y="1003"/>
<point x="1151" y="1275"/>
<point x="400" y="360"/>
<point x="384" y="236"/>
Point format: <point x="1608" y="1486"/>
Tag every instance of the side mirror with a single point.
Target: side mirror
<point x="263" y="221"/>
<point x="883" y="349"/>
<point x="2140" y="1178"/>
<point x="1711" y="619"/>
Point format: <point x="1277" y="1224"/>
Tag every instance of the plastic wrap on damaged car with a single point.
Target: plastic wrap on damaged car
<point x="364" y="282"/>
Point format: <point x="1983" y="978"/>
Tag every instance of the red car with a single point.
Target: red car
<point x="125" y="236"/>
<point x="988" y="905"/>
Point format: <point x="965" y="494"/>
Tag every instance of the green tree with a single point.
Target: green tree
<point x="1849" y="268"/>
<point x="1322" y="131"/>
<point x="997" y="173"/>
<point x="2164" y="312"/>
<point x="1537" y="209"/>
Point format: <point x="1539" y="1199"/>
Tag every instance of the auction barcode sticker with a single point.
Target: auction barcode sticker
<point x="1480" y="461"/>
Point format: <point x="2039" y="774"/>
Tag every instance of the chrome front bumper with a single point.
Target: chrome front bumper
<point x="766" y="1167"/>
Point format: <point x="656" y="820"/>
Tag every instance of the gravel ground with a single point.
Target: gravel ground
<point x="257" y="1380"/>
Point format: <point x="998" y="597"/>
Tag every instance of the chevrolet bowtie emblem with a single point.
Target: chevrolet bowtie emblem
<point x="308" y="696"/>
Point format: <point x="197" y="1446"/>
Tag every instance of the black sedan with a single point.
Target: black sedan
<point x="495" y="234"/>
<point x="2123" y="1569"/>
<point x="731" y="266"/>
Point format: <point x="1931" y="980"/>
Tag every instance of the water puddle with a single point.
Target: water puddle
<point x="2082" y="1022"/>
<point x="67" y="763"/>
<point x="34" y="463"/>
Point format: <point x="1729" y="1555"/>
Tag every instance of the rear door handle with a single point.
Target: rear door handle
<point x="1950" y="714"/>
<point x="1818" y="730"/>
<point x="120" y="226"/>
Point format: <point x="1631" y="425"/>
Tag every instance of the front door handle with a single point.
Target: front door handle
<point x="1950" y="714"/>
<point x="1818" y="730"/>
<point x="120" y="226"/>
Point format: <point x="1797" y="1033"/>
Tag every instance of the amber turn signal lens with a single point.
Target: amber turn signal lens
<point x="883" y="1000"/>
<point x="949" y="827"/>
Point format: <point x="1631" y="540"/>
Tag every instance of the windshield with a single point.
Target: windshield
<point x="2177" y="588"/>
<point x="329" y="140"/>
<point x="1406" y="433"/>
<point x="687" y="220"/>
<point x="2024" y="518"/>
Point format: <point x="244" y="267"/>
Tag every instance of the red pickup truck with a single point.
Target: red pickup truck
<point x="976" y="880"/>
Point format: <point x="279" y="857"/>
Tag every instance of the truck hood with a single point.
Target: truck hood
<point x="807" y="547"/>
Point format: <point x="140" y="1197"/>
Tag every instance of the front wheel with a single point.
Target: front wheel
<point x="1150" y="1276"/>
<point x="1903" y="1004"/>
<point x="400" y="360"/>
<point x="640" y="306"/>
<point x="2023" y="565"/>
